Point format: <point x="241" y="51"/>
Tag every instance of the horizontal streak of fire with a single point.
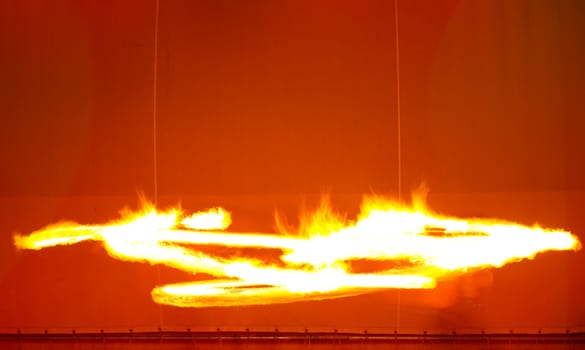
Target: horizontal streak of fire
<point x="315" y="263"/>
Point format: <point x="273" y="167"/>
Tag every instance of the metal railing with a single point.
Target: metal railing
<point x="304" y="336"/>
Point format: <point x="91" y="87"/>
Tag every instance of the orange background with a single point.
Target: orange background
<point x="264" y="106"/>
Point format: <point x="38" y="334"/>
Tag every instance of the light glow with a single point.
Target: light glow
<point x="316" y="261"/>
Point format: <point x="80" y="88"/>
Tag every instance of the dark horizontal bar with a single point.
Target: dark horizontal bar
<point x="295" y="337"/>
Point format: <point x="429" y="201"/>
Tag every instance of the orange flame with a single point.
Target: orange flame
<point x="314" y="265"/>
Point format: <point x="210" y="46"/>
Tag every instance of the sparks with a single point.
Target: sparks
<point x="315" y="262"/>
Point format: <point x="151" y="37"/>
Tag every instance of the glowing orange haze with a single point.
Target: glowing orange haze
<point x="315" y="263"/>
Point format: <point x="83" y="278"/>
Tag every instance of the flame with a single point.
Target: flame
<point x="316" y="262"/>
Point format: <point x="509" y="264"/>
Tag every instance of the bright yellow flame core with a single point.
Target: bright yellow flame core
<point x="315" y="265"/>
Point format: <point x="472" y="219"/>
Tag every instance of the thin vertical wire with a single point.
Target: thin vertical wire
<point x="398" y="121"/>
<point x="154" y="98"/>
<point x="154" y="141"/>
<point x="399" y="136"/>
